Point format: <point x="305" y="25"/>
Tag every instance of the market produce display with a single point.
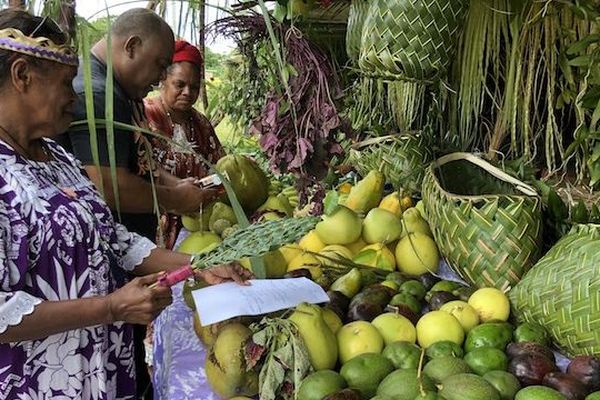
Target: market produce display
<point x="392" y="329"/>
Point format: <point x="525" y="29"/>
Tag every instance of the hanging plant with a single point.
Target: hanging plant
<point x="299" y="122"/>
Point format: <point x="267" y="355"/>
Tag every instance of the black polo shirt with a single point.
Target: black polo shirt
<point x="77" y="139"/>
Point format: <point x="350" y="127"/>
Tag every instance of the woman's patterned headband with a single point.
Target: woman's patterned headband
<point x="40" y="47"/>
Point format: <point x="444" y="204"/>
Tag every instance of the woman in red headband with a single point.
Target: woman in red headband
<point x="172" y="114"/>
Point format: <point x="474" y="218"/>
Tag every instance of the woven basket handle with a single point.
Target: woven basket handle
<point x="497" y="172"/>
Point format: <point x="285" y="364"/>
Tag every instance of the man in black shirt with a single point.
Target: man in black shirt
<point x="142" y="48"/>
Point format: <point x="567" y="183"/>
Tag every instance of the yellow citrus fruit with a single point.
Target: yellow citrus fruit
<point x="356" y="247"/>
<point x="463" y="312"/>
<point x="490" y="304"/>
<point x="358" y="337"/>
<point x="436" y="326"/>
<point x="394" y="328"/>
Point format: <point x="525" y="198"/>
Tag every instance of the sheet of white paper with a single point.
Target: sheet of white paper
<point x="220" y="302"/>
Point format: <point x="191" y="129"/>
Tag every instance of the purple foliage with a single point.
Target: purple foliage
<point x="299" y="139"/>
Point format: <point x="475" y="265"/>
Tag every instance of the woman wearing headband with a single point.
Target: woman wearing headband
<point x="64" y="313"/>
<point x="172" y="114"/>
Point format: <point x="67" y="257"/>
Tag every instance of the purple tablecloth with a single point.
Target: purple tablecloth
<point x="178" y="354"/>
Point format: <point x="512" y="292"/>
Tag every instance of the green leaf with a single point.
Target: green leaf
<point x="595" y="214"/>
<point x="595" y="117"/>
<point x="270" y="379"/>
<point x="566" y="69"/>
<point x="591" y="99"/>
<point x="109" y="116"/>
<point x="594" y="170"/>
<point x="580" y="213"/>
<point x="572" y="148"/>
<point x="582" y="45"/>
<point x="89" y="98"/>
<point x="593" y="164"/>
<point x="280" y="12"/>
<point x="595" y="153"/>
<point x="291" y="70"/>
<point x="330" y="201"/>
<point x="558" y="209"/>
<point x="581" y="61"/>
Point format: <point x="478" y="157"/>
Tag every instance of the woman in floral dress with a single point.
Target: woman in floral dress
<point x="172" y="114"/>
<point x="64" y="307"/>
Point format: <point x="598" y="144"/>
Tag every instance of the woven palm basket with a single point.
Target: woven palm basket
<point x="486" y="223"/>
<point x="411" y="39"/>
<point x="402" y="158"/>
<point x="356" y="19"/>
<point x="562" y="292"/>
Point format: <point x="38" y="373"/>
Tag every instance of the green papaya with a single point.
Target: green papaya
<point x="249" y="182"/>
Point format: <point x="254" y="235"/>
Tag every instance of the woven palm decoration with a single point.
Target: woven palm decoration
<point x="486" y="223"/>
<point x="411" y="39"/>
<point x="562" y="292"/>
<point x="256" y="240"/>
<point x="356" y="19"/>
<point x="402" y="158"/>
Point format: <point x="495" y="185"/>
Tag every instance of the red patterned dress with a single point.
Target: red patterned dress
<point x="197" y="135"/>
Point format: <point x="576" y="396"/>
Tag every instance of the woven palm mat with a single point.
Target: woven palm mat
<point x="488" y="239"/>
<point x="356" y="20"/>
<point x="562" y="292"/>
<point x="256" y="240"/>
<point x="413" y="39"/>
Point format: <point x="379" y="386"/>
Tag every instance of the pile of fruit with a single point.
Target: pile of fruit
<point x="391" y="330"/>
<point x="261" y="200"/>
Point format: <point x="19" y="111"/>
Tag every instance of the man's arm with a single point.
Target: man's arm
<point x="135" y="194"/>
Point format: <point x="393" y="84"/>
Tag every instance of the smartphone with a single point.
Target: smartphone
<point x="211" y="182"/>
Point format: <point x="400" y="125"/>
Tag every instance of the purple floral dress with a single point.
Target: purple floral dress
<point x="58" y="241"/>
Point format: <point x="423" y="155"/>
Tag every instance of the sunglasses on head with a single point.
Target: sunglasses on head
<point x="49" y="24"/>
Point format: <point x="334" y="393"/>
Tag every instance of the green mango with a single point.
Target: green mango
<point x="444" y="348"/>
<point x="414" y="288"/>
<point x="531" y="332"/>
<point x="408" y="300"/>
<point x="404" y="355"/>
<point x="504" y="382"/>
<point x="485" y="359"/>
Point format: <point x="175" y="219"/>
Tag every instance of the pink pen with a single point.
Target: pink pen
<point x="180" y="274"/>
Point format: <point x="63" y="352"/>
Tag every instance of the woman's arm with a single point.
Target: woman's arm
<point x="133" y="303"/>
<point x="161" y="260"/>
<point x="165" y="260"/>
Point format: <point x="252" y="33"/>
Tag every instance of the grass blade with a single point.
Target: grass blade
<point x="89" y="97"/>
<point x="109" y="117"/>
